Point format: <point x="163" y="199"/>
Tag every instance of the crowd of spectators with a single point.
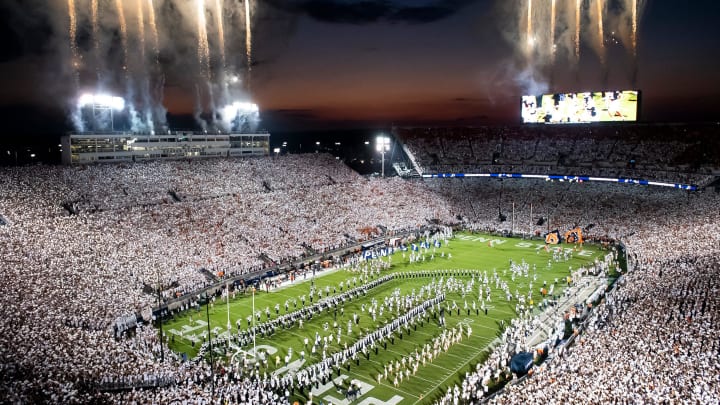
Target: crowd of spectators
<point x="654" y="338"/>
<point x="81" y="243"/>
<point x="660" y="152"/>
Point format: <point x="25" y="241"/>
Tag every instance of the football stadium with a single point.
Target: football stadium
<point x="570" y="256"/>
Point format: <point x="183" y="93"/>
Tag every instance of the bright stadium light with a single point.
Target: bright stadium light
<point x="102" y="101"/>
<point x="231" y="111"/>
<point x="382" y="145"/>
<point x="243" y="107"/>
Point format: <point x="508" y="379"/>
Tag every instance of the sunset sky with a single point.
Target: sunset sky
<point x="350" y="64"/>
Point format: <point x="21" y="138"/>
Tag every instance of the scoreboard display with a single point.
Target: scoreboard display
<point x="574" y="108"/>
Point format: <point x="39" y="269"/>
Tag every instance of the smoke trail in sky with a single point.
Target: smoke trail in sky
<point x="141" y="28"/>
<point x="552" y="32"/>
<point x="123" y="32"/>
<point x="529" y="35"/>
<point x="248" y="39"/>
<point x="601" y="32"/>
<point x="72" y="34"/>
<point x="634" y="26"/>
<point x="94" y="17"/>
<point x="221" y="31"/>
<point x="203" y="45"/>
<point x="578" y="27"/>
<point x="154" y="30"/>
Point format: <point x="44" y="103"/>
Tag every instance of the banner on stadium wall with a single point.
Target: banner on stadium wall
<point x="552" y="238"/>
<point x="574" y="236"/>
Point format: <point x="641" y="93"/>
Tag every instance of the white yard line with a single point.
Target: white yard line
<point x="362" y="377"/>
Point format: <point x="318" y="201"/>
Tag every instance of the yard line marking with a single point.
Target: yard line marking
<point x="444" y="368"/>
<point x="453" y="373"/>
<point x="360" y="376"/>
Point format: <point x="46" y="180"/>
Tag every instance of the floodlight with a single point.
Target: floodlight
<point x="382" y="144"/>
<point x="102" y="101"/>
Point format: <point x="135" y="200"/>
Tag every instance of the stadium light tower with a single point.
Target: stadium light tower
<point x="102" y="107"/>
<point x="382" y="145"/>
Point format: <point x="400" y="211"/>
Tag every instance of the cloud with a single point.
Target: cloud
<point x="370" y="11"/>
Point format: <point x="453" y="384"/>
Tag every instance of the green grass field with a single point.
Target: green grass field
<point x="469" y="251"/>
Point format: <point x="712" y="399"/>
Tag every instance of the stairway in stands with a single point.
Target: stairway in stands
<point x="209" y="275"/>
<point x="265" y="258"/>
<point x="309" y="250"/>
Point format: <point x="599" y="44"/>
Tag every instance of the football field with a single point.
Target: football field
<point x="460" y="264"/>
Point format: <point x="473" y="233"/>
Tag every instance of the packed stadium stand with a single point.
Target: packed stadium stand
<point x="81" y="244"/>
<point x="675" y="153"/>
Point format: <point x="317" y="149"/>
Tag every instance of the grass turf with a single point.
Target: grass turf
<point x="469" y="251"/>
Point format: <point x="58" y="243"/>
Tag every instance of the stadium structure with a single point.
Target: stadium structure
<point x="132" y="147"/>
<point x="514" y="264"/>
<point x="494" y="266"/>
<point x="106" y="136"/>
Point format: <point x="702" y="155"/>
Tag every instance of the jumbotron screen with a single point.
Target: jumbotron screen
<point x="573" y="108"/>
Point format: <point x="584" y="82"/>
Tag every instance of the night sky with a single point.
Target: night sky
<point x="324" y="64"/>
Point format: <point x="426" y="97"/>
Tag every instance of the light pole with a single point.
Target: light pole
<point x="227" y="301"/>
<point x="212" y="360"/>
<point x="159" y="286"/>
<point x="382" y="145"/>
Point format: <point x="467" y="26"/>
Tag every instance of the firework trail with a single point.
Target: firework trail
<point x="123" y="33"/>
<point x="634" y="26"/>
<point x="578" y="13"/>
<point x="154" y="30"/>
<point x="221" y="31"/>
<point x="203" y="45"/>
<point x="141" y="29"/>
<point x="529" y="25"/>
<point x="601" y="32"/>
<point x="75" y="62"/>
<point x="552" y="32"/>
<point x="72" y="33"/>
<point x="248" y="36"/>
<point x="95" y="34"/>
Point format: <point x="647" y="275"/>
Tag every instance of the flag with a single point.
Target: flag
<point x="574" y="235"/>
<point x="552" y="238"/>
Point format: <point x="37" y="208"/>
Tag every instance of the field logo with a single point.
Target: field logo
<point x="337" y="386"/>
